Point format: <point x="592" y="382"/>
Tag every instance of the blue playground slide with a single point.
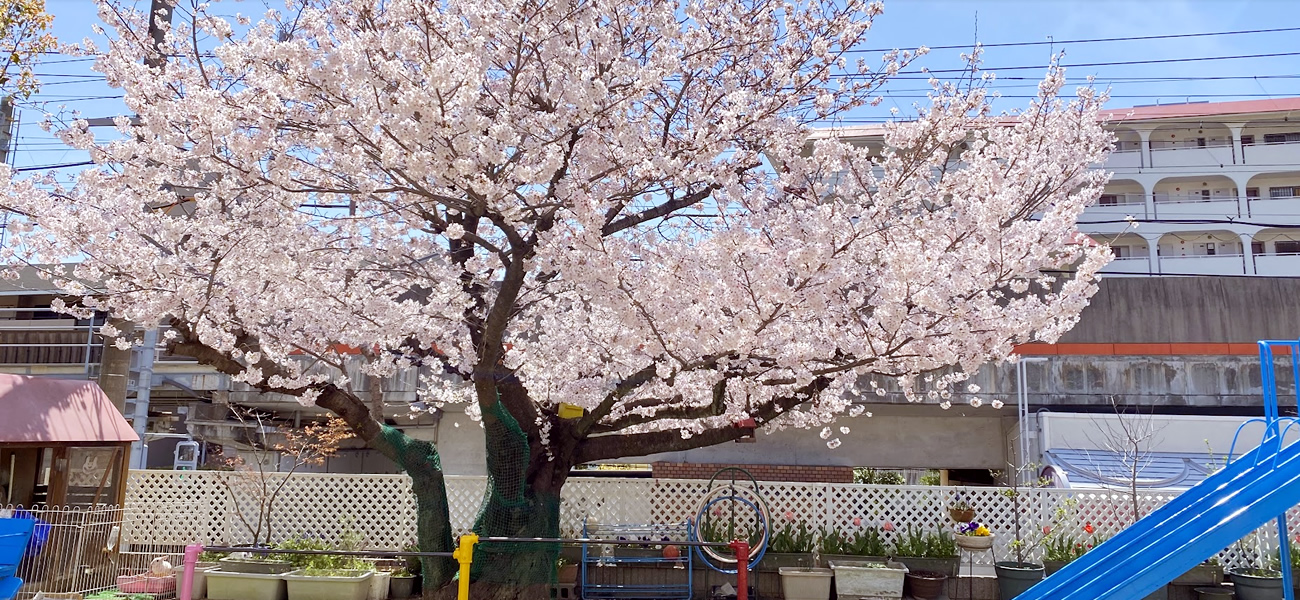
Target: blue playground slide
<point x="14" y="535"/>
<point x="1245" y="495"/>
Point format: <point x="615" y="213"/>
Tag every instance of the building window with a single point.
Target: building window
<point x="1121" y="251"/>
<point x="1257" y="248"/>
<point x="1205" y="194"/>
<point x="1108" y="200"/>
<point x="1247" y="140"/>
<point x="1200" y="142"/>
<point x="1252" y="192"/>
<point x="1281" y="138"/>
<point x="1284" y="192"/>
<point x="1286" y="247"/>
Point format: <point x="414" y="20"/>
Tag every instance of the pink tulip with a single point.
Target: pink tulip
<point x="857" y="521"/>
<point x="888" y="526"/>
<point x="1047" y="529"/>
<point x="789" y="516"/>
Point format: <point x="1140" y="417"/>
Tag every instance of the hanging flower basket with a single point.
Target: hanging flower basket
<point x="974" y="542"/>
<point x="962" y="515"/>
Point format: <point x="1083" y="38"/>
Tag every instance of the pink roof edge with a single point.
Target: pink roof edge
<point x="1203" y="109"/>
<point x="59" y="411"/>
<point x="1136" y="113"/>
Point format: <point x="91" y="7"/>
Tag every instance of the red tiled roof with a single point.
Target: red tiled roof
<point x="1205" y="109"/>
<point x="41" y="410"/>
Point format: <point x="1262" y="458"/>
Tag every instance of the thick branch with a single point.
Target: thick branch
<point x="654" y="442"/>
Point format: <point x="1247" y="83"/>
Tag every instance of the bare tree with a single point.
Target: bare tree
<point x="1130" y="437"/>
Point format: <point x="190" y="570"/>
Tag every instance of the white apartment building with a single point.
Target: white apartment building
<point x="1214" y="188"/>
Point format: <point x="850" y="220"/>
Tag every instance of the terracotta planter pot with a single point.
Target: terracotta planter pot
<point x="567" y="574"/>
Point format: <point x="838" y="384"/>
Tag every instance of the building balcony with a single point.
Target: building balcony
<point x="1119" y="206"/>
<point x="1124" y="159"/>
<point x="1128" y="265"/>
<point x="1276" y="154"/>
<point x="1194" y="205"/>
<point x="1277" y="264"/>
<point x="1281" y="206"/>
<point x="1218" y="264"/>
<point x="1196" y="156"/>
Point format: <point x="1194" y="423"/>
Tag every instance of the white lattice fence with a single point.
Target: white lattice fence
<point x="177" y="507"/>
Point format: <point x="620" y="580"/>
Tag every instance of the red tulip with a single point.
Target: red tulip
<point x="1088" y="528"/>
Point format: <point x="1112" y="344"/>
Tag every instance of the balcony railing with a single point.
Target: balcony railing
<point x="1210" y="264"/>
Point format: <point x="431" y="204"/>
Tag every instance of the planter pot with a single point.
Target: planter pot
<point x="805" y="583"/>
<point x="400" y="588"/>
<point x="1202" y="574"/>
<point x="773" y="561"/>
<point x="925" y="585"/>
<point x="199" y="586"/>
<point x="227" y="585"/>
<point x="1014" y="578"/>
<point x="567" y="574"/>
<point x="350" y="586"/>
<point x="974" y="542"/>
<point x="962" y="515"/>
<point x="262" y="566"/>
<point x="1052" y="566"/>
<point x="146" y="584"/>
<point x="1253" y="587"/>
<point x="379" y="586"/>
<point x="942" y="566"/>
<point x="827" y="558"/>
<point x="1213" y="593"/>
<point x="857" y="579"/>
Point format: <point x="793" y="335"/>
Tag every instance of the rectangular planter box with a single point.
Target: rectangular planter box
<point x="1207" y="575"/>
<point x="856" y="580"/>
<point x="199" y="587"/>
<point x="226" y="585"/>
<point x="332" y="587"/>
<point x="255" y="565"/>
<point x="146" y="584"/>
<point x="806" y="583"/>
<point x="379" y="586"/>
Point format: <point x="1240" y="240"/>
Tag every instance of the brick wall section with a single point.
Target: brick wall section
<point x="804" y="473"/>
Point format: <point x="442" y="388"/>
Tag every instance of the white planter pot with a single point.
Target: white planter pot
<point x="379" y="586"/>
<point x="329" y="587"/>
<point x="857" y="580"/>
<point x="226" y="585"/>
<point x="805" y="583"/>
<point x="199" y="585"/>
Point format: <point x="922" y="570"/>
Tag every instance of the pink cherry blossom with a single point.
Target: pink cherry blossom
<point x="505" y="203"/>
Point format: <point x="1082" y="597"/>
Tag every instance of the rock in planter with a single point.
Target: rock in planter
<point x="1014" y="578"/>
<point x="337" y="585"/>
<point x="856" y="579"/>
<point x="1254" y="584"/>
<point x="228" y="585"/>
<point x="925" y="585"/>
<point x="805" y="583"/>
<point x="401" y="587"/>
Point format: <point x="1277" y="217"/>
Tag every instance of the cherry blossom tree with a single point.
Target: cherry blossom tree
<point x="615" y="205"/>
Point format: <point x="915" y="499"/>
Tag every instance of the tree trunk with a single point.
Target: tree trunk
<point x="522" y="501"/>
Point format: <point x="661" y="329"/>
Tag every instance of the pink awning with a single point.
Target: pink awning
<point x="58" y="411"/>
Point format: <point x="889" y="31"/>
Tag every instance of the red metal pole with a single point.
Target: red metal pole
<point x="741" y="548"/>
<point x="192" y="553"/>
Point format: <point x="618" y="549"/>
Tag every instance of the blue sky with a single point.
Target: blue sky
<point x="909" y="23"/>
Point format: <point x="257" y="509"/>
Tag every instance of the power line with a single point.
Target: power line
<point x="1098" y="40"/>
<point x="1123" y="63"/>
<point x="60" y="166"/>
